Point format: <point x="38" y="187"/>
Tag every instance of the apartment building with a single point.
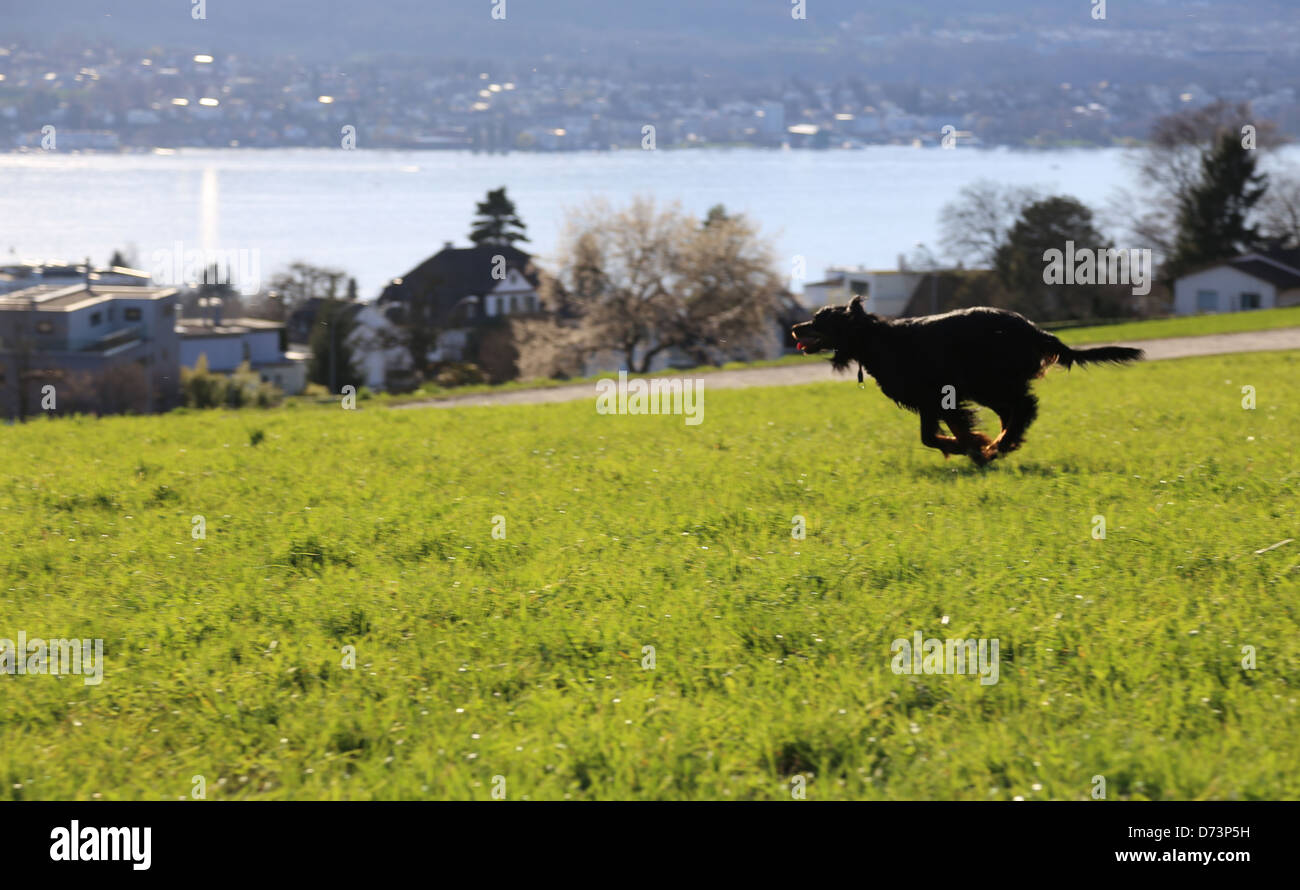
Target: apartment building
<point x="88" y="347"/>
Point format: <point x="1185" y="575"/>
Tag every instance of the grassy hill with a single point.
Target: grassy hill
<point x="1185" y="326"/>
<point x="524" y="657"/>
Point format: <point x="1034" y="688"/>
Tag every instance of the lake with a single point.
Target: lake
<point x="376" y="214"/>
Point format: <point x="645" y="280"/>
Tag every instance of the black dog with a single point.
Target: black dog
<point x="938" y="365"/>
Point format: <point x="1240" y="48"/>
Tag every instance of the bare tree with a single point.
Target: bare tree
<point x="302" y="281"/>
<point x="976" y="223"/>
<point x="1280" y="208"/>
<point x="645" y="279"/>
<point x="1169" y="168"/>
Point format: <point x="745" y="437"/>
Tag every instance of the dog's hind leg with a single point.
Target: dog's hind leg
<point x="930" y="437"/>
<point x="1021" y="414"/>
<point x="1006" y="415"/>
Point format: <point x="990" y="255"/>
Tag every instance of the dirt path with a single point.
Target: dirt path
<point x="794" y="375"/>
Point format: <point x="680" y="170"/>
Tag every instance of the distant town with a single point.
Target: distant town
<point x="106" y="98"/>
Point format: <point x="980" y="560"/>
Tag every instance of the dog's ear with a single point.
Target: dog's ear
<point x="855" y="306"/>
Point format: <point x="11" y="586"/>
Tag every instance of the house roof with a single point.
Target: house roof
<point x="1289" y="258"/>
<point x="1280" y="268"/>
<point x="454" y="273"/>
<point x="1266" y="271"/>
<point x="66" y="298"/>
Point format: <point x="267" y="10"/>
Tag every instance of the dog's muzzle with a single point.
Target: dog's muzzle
<point x="806" y="340"/>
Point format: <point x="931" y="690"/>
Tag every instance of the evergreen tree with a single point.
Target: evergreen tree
<point x="497" y="222"/>
<point x="331" y="355"/>
<point x="1047" y="224"/>
<point x="1213" y="215"/>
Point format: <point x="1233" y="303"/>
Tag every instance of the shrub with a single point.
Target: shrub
<point x="202" y="388"/>
<point x="452" y="374"/>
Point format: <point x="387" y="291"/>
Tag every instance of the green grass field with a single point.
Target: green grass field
<point x="1186" y="326"/>
<point x="524" y="657"/>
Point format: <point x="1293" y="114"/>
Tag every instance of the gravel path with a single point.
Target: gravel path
<point x="794" y="375"/>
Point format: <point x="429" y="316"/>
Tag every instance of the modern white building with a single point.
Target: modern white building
<point x="102" y="348"/>
<point x="227" y="344"/>
<point x="16" y="276"/>
<point x="1265" y="280"/>
<point x="886" y="291"/>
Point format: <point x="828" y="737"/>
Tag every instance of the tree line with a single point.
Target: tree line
<point x="1204" y="197"/>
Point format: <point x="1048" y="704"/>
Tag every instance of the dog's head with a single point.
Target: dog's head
<point x="841" y="329"/>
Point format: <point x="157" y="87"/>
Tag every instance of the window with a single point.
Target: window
<point x="133" y="313"/>
<point x="859" y="288"/>
<point x="1249" y="301"/>
<point x="95" y="319"/>
<point x="1207" y="301"/>
<point x="464" y="311"/>
<point x="489" y="305"/>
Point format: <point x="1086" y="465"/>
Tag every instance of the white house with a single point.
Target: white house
<point x="886" y="291"/>
<point x="227" y="344"/>
<point x="456" y="293"/>
<point x="378" y="346"/>
<point x="1264" y="280"/>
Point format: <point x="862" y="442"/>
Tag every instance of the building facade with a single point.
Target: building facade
<point x="227" y="344"/>
<point x="1265" y="280"/>
<point x="88" y="348"/>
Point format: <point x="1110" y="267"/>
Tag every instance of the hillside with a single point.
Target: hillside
<point x="524" y="657"/>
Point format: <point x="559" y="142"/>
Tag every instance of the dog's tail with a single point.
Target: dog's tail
<point x="1055" y="350"/>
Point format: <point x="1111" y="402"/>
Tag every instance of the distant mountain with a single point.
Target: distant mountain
<point x="461" y="27"/>
<point x="569" y="27"/>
